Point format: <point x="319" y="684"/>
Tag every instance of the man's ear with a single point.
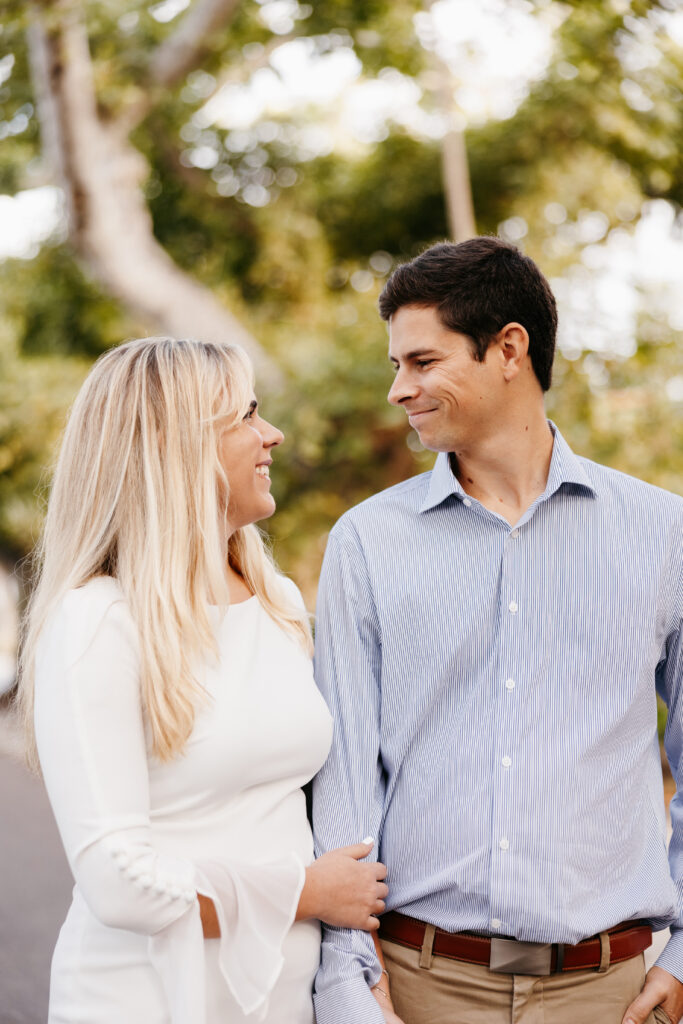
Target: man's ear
<point x="513" y="344"/>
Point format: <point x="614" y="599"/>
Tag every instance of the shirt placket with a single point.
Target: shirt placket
<point x="506" y="692"/>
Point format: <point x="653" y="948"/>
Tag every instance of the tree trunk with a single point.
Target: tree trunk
<point x="454" y="165"/>
<point x="110" y="227"/>
<point x="457" y="188"/>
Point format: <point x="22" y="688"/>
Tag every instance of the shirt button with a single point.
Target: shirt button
<point x="495" y="924"/>
<point x="467" y="502"/>
<point x="514" y="534"/>
<point x="513" y="606"/>
<point x="506" y="762"/>
<point x="509" y="684"/>
<point x="504" y="844"/>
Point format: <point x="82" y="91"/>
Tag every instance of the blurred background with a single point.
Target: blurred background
<point x="253" y="170"/>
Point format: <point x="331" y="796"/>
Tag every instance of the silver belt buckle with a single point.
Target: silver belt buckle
<point x="508" y="956"/>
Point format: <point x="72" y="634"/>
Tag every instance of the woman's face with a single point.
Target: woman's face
<point x="245" y="453"/>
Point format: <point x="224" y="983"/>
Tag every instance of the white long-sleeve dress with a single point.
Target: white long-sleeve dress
<point x="227" y="818"/>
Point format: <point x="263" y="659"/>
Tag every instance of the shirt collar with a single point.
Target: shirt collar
<point x="565" y="468"/>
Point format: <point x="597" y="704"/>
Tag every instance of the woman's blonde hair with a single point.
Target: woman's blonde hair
<point x="139" y="494"/>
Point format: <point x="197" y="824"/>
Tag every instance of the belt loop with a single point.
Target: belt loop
<point x="559" y="963"/>
<point x="427" y="946"/>
<point x="604" y="952"/>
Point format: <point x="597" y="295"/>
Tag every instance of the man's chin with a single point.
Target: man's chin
<point x="433" y="443"/>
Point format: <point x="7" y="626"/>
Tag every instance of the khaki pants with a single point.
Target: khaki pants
<point x="435" y="990"/>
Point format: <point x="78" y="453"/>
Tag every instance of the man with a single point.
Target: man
<point x="489" y="640"/>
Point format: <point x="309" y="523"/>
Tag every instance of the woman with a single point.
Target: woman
<point x="169" y="700"/>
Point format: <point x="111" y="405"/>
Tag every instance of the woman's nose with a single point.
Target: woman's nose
<point x="271" y="435"/>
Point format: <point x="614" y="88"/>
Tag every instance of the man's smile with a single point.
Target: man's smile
<point x="417" y="415"/>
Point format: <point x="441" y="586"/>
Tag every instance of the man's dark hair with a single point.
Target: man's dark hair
<point x="477" y="287"/>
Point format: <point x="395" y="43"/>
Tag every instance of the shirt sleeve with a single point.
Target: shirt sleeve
<point x="93" y="752"/>
<point x="348" y="792"/>
<point x="670" y="688"/>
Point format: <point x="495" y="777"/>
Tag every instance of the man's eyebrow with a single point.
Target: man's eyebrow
<point x="417" y="353"/>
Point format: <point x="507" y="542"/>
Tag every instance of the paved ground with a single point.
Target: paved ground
<point x="35" y="888"/>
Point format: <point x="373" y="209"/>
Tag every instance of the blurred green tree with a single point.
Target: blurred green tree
<point x="178" y="224"/>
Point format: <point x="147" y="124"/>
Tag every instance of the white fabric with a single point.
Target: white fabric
<point x="226" y="819"/>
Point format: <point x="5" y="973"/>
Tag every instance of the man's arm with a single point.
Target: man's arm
<point x="663" y="985"/>
<point x="348" y="793"/>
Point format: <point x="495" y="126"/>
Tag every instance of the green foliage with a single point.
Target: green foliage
<point x="34" y="397"/>
<point x="392" y="200"/>
<point x="595" y="133"/>
<point x="44" y="323"/>
<point x="661" y="718"/>
<point x="18" y="127"/>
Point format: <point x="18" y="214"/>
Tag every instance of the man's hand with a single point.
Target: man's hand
<point x="660" y="989"/>
<point x="387" y="1007"/>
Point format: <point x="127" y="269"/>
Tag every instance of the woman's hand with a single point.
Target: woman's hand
<point x="341" y="891"/>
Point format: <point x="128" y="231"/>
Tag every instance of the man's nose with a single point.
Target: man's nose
<point x="402" y="389"/>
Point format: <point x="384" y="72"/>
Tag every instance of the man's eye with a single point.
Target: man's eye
<point x="424" y="362"/>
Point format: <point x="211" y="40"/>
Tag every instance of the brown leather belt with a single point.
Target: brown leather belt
<point x="513" y="957"/>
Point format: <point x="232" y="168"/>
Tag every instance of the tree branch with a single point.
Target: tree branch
<point x="185" y="46"/>
<point x="109" y="224"/>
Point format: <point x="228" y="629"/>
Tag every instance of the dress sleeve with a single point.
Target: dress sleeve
<point x="93" y="752"/>
<point x="348" y="792"/>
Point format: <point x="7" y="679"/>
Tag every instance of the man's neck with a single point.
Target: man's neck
<point x="509" y="470"/>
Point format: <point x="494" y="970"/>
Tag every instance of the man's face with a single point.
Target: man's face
<point x="449" y="397"/>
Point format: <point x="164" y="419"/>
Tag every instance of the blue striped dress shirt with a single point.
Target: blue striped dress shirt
<point x="493" y="693"/>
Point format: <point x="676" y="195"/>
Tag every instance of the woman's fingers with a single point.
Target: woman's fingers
<point x="358" y="850"/>
<point x="382" y="890"/>
<point x="372" y="924"/>
<point x="380" y="870"/>
<point x="379" y="907"/>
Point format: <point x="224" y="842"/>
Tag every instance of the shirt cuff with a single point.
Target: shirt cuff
<point x="349" y="1002"/>
<point x="671" y="957"/>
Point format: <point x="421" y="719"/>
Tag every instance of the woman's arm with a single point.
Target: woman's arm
<point x="92" y="749"/>
<point x="338" y="890"/>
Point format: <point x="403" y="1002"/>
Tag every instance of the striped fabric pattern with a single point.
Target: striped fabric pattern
<point x="493" y="693"/>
